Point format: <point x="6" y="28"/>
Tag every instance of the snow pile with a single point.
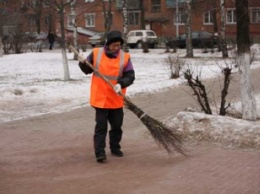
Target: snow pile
<point x="227" y="131"/>
<point x="255" y="49"/>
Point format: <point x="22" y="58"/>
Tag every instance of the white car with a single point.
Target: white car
<point x="135" y="38"/>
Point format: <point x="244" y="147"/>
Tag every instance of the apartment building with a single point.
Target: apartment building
<point x="165" y="17"/>
<point x="26" y="16"/>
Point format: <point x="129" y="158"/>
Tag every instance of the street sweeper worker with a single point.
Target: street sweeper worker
<point x="116" y="65"/>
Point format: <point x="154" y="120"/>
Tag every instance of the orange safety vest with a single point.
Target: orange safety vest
<point x="102" y="94"/>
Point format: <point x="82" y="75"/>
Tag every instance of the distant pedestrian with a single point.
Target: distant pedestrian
<point x="51" y="39"/>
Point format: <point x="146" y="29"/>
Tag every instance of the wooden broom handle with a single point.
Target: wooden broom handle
<point x="96" y="71"/>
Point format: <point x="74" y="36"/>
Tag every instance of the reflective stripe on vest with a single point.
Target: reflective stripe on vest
<point x="122" y="59"/>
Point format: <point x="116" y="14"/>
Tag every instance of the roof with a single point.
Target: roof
<point x="83" y="31"/>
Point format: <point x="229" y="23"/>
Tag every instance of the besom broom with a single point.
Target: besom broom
<point x="163" y="135"/>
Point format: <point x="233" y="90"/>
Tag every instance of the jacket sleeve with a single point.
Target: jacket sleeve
<point x="128" y="75"/>
<point x="84" y="67"/>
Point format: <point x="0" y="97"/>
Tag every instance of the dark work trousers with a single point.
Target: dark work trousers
<point x="115" y="119"/>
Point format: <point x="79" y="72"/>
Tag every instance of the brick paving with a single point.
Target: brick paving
<point x="53" y="154"/>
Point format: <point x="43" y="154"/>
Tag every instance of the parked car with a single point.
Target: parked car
<point x="200" y="39"/>
<point x="135" y="38"/>
<point x="97" y="39"/>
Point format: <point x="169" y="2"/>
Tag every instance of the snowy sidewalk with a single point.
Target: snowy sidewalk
<point x="53" y="154"/>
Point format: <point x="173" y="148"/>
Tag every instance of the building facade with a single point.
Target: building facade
<point x="165" y="17"/>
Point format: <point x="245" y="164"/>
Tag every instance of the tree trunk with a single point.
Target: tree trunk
<point x="223" y="40"/>
<point x="1" y="47"/>
<point x="38" y="22"/>
<point x="75" y="33"/>
<point x="142" y="14"/>
<point x="125" y="26"/>
<point x="107" y="15"/>
<point x="248" y="101"/>
<point x="215" y="22"/>
<point x="75" y="40"/>
<point x="189" y="48"/>
<point x="63" y="46"/>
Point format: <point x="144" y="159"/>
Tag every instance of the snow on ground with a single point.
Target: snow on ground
<point x="228" y="131"/>
<point x="32" y="83"/>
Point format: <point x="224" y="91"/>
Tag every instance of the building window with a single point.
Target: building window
<point x="208" y="18"/>
<point x="133" y="18"/>
<point x="70" y="21"/>
<point x="180" y="18"/>
<point x="90" y="20"/>
<point x="231" y="17"/>
<point x="255" y="15"/>
<point x="156" y="5"/>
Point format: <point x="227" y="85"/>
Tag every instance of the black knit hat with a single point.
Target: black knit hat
<point x="114" y="36"/>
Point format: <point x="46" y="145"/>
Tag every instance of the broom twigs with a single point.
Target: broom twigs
<point x="163" y="136"/>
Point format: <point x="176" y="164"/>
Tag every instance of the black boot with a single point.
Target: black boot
<point x="101" y="156"/>
<point x="117" y="153"/>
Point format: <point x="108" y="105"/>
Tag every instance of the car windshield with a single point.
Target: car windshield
<point x="150" y="33"/>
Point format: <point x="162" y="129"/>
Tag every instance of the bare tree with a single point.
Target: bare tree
<point x="248" y="101"/>
<point x="212" y="8"/>
<point x="107" y="14"/>
<point x="142" y="14"/>
<point x="78" y="8"/>
<point x="224" y="92"/>
<point x="13" y="38"/>
<point x="189" y="48"/>
<point x="125" y="25"/>
<point x="74" y="24"/>
<point x="37" y="7"/>
<point x="202" y="93"/>
<point x="223" y="40"/>
<point x="175" y="64"/>
<point x="59" y="6"/>
<point x="199" y="90"/>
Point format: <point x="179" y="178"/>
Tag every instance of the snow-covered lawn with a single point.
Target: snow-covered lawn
<point x="32" y="83"/>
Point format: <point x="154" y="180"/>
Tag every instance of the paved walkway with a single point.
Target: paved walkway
<point x="53" y="154"/>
